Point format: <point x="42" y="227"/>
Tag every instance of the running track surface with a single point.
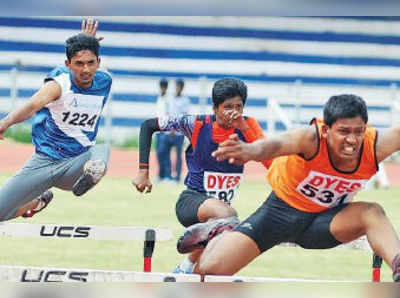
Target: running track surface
<point x="124" y="163"/>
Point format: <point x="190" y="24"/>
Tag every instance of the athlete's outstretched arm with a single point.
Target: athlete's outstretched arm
<point x="388" y="142"/>
<point x="50" y="91"/>
<point x="142" y="180"/>
<point x="298" y="141"/>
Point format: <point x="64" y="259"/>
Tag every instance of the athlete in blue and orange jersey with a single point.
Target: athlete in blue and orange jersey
<point x="211" y="185"/>
<point x="316" y="172"/>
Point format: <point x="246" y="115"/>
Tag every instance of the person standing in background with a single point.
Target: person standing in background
<point x="179" y="105"/>
<point x="162" y="142"/>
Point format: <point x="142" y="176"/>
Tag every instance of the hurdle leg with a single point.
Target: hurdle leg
<point x="148" y="249"/>
<point x="376" y="268"/>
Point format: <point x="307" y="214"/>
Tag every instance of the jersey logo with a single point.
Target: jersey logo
<point x="74" y="102"/>
<point x="223" y="186"/>
<point x="328" y="190"/>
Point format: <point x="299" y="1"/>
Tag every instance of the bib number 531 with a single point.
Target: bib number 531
<point x="325" y="196"/>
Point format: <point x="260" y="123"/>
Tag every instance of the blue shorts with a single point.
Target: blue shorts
<point x="276" y="222"/>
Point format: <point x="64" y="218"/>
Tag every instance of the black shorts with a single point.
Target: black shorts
<point x="276" y="222"/>
<point x="188" y="206"/>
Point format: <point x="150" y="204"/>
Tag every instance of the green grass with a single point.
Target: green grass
<point x="115" y="202"/>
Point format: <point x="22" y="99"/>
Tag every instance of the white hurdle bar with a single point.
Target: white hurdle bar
<point x="47" y="274"/>
<point x="91" y="232"/>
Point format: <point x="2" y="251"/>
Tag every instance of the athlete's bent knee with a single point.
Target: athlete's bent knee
<point x="372" y="214"/>
<point x="375" y="209"/>
<point x="213" y="208"/>
<point x="226" y="212"/>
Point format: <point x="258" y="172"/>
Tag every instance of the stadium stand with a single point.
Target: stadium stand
<point x="297" y="62"/>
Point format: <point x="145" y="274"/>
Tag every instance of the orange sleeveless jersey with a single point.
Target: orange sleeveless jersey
<point x="315" y="185"/>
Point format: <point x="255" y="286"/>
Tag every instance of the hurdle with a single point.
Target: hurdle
<point x="358" y="244"/>
<point x="48" y="274"/>
<point x="92" y="232"/>
<point x="128" y="233"/>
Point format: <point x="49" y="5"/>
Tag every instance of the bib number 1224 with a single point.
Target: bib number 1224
<point x="79" y="119"/>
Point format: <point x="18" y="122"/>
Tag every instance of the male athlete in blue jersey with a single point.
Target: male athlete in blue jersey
<point x="66" y="112"/>
<point x="211" y="185"/>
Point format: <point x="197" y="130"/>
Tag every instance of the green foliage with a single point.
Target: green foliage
<point x="20" y="133"/>
<point x="133" y="142"/>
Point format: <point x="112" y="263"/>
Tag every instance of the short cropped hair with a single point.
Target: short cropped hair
<point x="164" y="83"/>
<point x="80" y="42"/>
<point x="344" y="106"/>
<point x="180" y="82"/>
<point x="227" y="88"/>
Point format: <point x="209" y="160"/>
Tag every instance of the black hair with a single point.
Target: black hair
<point x="344" y="106"/>
<point x="226" y="88"/>
<point x="80" y="42"/>
<point x="180" y="82"/>
<point x="164" y="83"/>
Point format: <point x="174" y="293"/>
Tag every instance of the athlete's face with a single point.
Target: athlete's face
<point x="345" y="138"/>
<point x="83" y="66"/>
<point x="224" y="112"/>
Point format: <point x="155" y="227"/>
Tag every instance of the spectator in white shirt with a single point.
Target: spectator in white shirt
<point x="178" y="105"/>
<point x="163" y="147"/>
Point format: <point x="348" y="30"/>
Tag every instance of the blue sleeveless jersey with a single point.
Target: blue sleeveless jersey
<point x="68" y="126"/>
<point x="205" y="174"/>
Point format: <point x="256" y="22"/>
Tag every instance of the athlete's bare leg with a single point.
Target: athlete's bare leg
<point x="28" y="206"/>
<point x="362" y="218"/>
<point x="211" y="208"/>
<point x="226" y="254"/>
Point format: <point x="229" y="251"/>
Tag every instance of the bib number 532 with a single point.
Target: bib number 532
<point x="225" y="196"/>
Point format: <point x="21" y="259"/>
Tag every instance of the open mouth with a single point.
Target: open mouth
<point x="349" y="150"/>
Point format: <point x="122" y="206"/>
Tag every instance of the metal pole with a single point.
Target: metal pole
<point x="14" y="91"/>
<point x="202" y="95"/>
<point x="393" y="100"/>
<point x="298" y="84"/>
<point x="270" y="117"/>
<point x="108" y="116"/>
<point x="108" y="120"/>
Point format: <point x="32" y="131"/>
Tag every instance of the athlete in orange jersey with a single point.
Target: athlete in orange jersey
<point x="316" y="172"/>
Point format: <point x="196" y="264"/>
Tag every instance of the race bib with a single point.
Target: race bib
<point x="328" y="190"/>
<point x="223" y="186"/>
<point x="82" y="111"/>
